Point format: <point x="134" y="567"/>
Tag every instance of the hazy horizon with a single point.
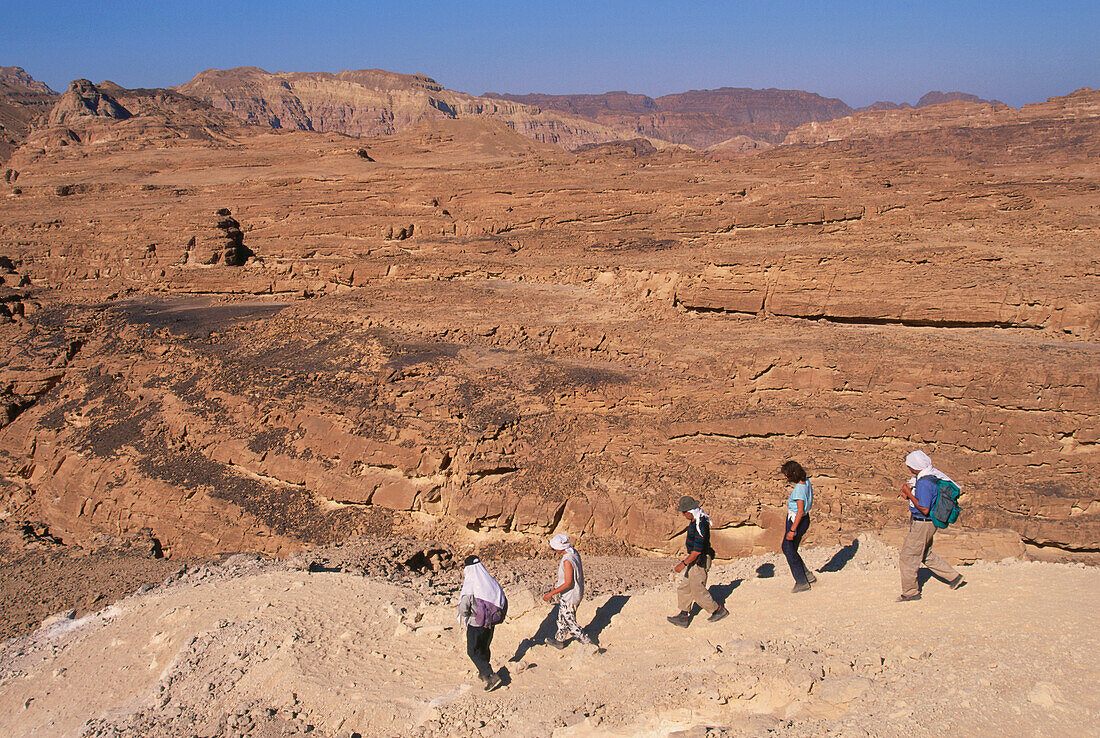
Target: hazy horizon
<point x="859" y="52"/>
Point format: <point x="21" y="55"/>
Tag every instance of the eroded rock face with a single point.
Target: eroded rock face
<point x="373" y="102"/>
<point x="23" y="99"/>
<point x="565" y="342"/>
<point x="85" y="100"/>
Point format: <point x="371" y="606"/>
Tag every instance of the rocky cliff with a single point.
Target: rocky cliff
<point x="460" y="331"/>
<point x="23" y="99"/>
<point x="372" y="102"/>
<point x="699" y="118"/>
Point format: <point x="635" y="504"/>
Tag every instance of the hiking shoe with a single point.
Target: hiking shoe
<point x="718" y="614"/>
<point x="908" y="598"/>
<point x="810" y="577"/>
<point x="493" y="682"/>
<point x="682" y="620"/>
<point x="957" y="582"/>
<point x="801" y="587"/>
<point x="555" y="643"/>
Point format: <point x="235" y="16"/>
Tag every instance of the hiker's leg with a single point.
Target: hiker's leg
<point x="790" y="550"/>
<point x="938" y="566"/>
<point x="684" y="597"/>
<point x="563" y="624"/>
<point x="477" y="648"/>
<point x="697" y="579"/>
<point x="568" y="626"/>
<point x="912" y="552"/>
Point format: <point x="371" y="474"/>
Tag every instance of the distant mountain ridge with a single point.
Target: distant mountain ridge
<point x="697" y="118"/>
<point x="373" y="102"/>
<point x="725" y="122"/>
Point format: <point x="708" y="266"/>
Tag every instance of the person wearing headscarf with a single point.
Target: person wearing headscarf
<point x="569" y="590"/>
<point x="692" y="589"/>
<point x="481" y="606"/>
<point x="798" y="522"/>
<point x="920" y="491"/>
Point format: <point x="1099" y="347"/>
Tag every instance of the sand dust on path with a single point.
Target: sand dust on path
<point x="260" y="650"/>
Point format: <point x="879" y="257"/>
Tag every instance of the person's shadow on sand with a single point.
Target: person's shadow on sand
<point x="842" y="557"/>
<point x="721" y="592"/>
<point x="548" y="628"/>
<point x="604" y="613"/>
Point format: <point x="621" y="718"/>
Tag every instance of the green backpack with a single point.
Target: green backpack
<point x="945" y="505"/>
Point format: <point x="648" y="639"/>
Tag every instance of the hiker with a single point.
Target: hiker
<point x="481" y="606"/>
<point x="692" y="589"/>
<point x="570" y="590"/>
<point x="798" y="521"/>
<point x="920" y="491"/>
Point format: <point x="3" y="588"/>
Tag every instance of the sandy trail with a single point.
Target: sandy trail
<point x="263" y="651"/>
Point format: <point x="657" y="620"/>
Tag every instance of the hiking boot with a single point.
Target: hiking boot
<point x="801" y="587"/>
<point x="555" y="643"/>
<point x="957" y="582"/>
<point x="810" y="577"/>
<point x="908" y="598"/>
<point x="493" y="682"/>
<point x="718" y="614"/>
<point x="682" y="620"/>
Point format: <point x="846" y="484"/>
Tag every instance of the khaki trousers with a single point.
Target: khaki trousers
<point x="917" y="550"/>
<point x="693" y="588"/>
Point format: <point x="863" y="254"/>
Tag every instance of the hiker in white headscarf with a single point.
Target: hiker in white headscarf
<point x="920" y="491"/>
<point x="692" y="589"/>
<point x="481" y="606"/>
<point x="570" y="590"/>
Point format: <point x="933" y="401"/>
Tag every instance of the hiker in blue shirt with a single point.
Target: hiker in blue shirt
<point x="920" y="491"/>
<point x="798" y="521"/>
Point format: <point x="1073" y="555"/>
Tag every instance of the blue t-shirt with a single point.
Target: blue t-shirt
<point x="802" y="491"/>
<point x="925" y="492"/>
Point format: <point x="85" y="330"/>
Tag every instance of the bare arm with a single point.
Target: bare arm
<point x="688" y="561"/>
<point x="907" y="493"/>
<point x="797" y="519"/>
<point x="566" y="586"/>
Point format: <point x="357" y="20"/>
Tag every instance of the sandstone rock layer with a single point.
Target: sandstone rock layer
<point x="482" y="335"/>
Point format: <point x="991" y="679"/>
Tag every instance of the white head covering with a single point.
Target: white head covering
<point x="477" y="581"/>
<point x="560" y="542"/>
<point x="697" y="513"/>
<point x="923" y="464"/>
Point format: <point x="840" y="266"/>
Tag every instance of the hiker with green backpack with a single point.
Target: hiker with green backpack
<point x="933" y="503"/>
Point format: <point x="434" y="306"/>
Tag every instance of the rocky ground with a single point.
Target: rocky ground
<point x="361" y="639"/>
<point x="251" y="341"/>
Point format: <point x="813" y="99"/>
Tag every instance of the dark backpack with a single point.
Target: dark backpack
<point x="945" y="505"/>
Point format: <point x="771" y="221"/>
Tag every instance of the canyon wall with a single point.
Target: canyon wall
<point x="458" y="331"/>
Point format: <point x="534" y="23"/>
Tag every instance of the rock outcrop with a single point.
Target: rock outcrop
<point x="85" y="100"/>
<point x="373" y="102"/>
<point x="23" y="100"/>
<point x="936" y="98"/>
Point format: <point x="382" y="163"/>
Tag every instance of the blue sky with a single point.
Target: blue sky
<point x="1018" y="52"/>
